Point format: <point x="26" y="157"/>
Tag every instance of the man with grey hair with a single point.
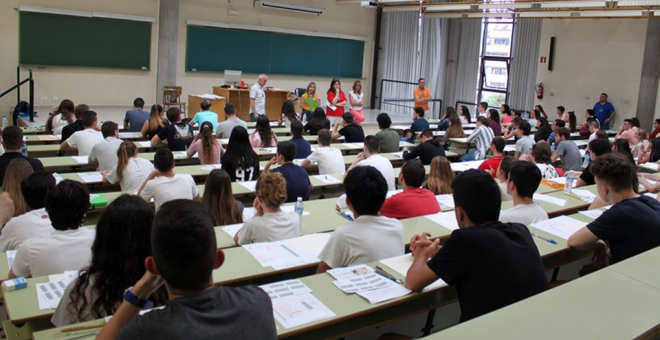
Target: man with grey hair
<point x="258" y="98"/>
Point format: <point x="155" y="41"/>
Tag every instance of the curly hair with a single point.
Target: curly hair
<point x="271" y="188"/>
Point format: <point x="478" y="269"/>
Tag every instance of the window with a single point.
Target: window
<point x="495" y="60"/>
<point x="498" y="70"/>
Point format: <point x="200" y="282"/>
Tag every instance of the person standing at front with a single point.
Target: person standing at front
<point x="422" y="95"/>
<point x="336" y="102"/>
<point x="258" y="98"/>
<point x="605" y="112"/>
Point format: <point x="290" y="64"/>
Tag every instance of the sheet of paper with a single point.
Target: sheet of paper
<point x="183" y="154"/>
<point x="445" y="219"/>
<point x="327" y="179"/>
<point x="52" y="292"/>
<point x="439" y="133"/>
<point x="398" y="155"/>
<point x="445" y="201"/>
<point x="126" y="135"/>
<point x="650" y="166"/>
<point x="400" y="127"/>
<point x="279" y="255"/>
<point x="285" y="288"/>
<point x="464" y="166"/>
<point x="330" y="106"/>
<point x="402" y="263"/>
<point x="351" y="272"/>
<point x="43" y="301"/>
<point x="584" y="195"/>
<point x="390" y="292"/>
<point x="269" y="150"/>
<point x="549" y="199"/>
<point x="250" y="185"/>
<point x="650" y="194"/>
<point x="248" y="213"/>
<point x="91" y="177"/>
<point x="232" y="229"/>
<point x="146" y="144"/>
<point x="579" y="143"/>
<point x="310" y="243"/>
<point x="298" y="161"/>
<point x="363" y="283"/>
<point x="211" y="167"/>
<point x="81" y="159"/>
<point x="67" y="277"/>
<point x="353" y="145"/>
<point x="11" y="254"/>
<point x="299" y="309"/>
<point x="58" y="178"/>
<point x="592" y="213"/>
<point x="510" y="148"/>
<point x="561" y="226"/>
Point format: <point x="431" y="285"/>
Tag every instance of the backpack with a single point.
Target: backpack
<point x="22" y="107"/>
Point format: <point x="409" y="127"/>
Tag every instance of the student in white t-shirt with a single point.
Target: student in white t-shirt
<point x="84" y="140"/>
<point x="269" y="223"/>
<point x="356" y="101"/>
<point x="289" y="114"/>
<point x="105" y="152"/>
<point x="131" y="171"/>
<point x="35" y="222"/>
<point x="69" y="246"/>
<point x="163" y="185"/>
<point x="370" y="237"/>
<point x="524" y="179"/>
<point x="329" y="159"/>
<point x="370" y="157"/>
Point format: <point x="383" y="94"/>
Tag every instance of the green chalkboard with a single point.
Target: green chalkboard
<point x="73" y="41"/>
<point x="211" y="49"/>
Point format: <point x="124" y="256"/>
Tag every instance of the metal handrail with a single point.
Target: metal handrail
<point x="391" y="101"/>
<point x="17" y="87"/>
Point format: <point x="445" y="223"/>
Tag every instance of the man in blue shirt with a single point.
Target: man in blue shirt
<point x="419" y="124"/>
<point x="297" y="179"/>
<point x="604" y="112"/>
<point x="135" y="118"/>
<point x="206" y="115"/>
<point x="303" y="149"/>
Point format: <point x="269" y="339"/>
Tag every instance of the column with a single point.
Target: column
<point x="168" y="37"/>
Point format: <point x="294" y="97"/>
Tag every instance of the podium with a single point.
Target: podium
<point x="275" y="98"/>
<point x="217" y="106"/>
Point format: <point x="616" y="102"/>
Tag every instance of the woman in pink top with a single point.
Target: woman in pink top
<point x="206" y="146"/>
<point x="263" y="137"/>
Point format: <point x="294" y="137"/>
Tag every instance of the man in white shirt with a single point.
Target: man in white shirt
<point x="163" y="185"/>
<point x="225" y="128"/>
<point x="524" y="179"/>
<point x="84" y="140"/>
<point x="370" y="157"/>
<point x="69" y="246"/>
<point x="35" y="222"/>
<point x="329" y="160"/>
<point x="370" y="237"/>
<point x="105" y="152"/>
<point x="258" y="98"/>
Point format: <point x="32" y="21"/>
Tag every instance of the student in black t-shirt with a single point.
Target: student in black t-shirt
<point x="297" y="179"/>
<point x="492" y="264"/>
<point x="631" y="225"/>
<point x="240" y="161"/>
<point x="178" y="135"/>
<point x="12" y="141"/>
<point x="352" y="133"/>
<point x="597" y="148"/>
<point x="184" y="257"/>
<point x="427" y="150"/>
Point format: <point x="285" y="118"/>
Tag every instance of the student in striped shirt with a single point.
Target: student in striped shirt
<point x="482" y="137"/>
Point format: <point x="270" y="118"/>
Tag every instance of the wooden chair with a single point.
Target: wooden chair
<point x="172" y="98"/>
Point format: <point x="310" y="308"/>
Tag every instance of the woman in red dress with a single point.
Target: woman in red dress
<point x="336" y="102"/>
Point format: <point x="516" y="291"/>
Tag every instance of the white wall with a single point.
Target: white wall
<point x="592" y="56"/>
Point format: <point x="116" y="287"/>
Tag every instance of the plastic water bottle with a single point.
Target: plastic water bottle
<point x="24" y="149"/>
<point x="586" y="160"/>
<point x="299" y="208"/>
<point x="570" y="178"/>
<point x="5" y="122"/>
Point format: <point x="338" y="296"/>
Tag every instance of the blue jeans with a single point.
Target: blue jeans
<point x="252" y="118"/>
<point x="469" y="157"/>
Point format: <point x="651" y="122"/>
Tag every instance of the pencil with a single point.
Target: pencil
<point x="82" y="328"/>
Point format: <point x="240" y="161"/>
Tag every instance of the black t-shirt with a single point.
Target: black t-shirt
<point x="246" y="171"/>
<point x="426" y="151"/>
<point x="587" y="177"/>
<point x="492" y="266"/>
<point x="70" y="129"/>
<point x="353" y="133"/>
<point x="631" y="226"/>
<point x="8" y="156"/>
<point x="297" y="181"/>
<point x="152" y="133"/>
<point x="218" y="313"/>
<point x="179" y="136"/>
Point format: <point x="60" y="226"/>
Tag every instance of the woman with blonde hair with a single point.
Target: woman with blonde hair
<point x="440" y="176"/>
<point x="60" y="116"/>
<point x="310" y="102"/>
<point x="206" y="146"/>
<point x="155" y="123"/>
<point x="17" y="170"/>
<point x="219" y="199"/>
<point x="131" y="171"/>
<point x="356" y="99"/>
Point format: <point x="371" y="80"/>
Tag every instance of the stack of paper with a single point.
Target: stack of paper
<point x="328" y="179"/>
<point x="232" y="229"/>
<point x="11" y="254"/>
<point x="279" y="255"/>
<point x="91" y="177"/>
<point x="294" y="305"/>
<point x="81" y="159"/>
<point x="446" y="201"/>
<point x="402" y="263"/>
<point x="562" y="226"/>
<point x="363" y="281"/>
<point x="50" y="294"/>
<point x="446" y="219"/>
<point x="584" y="195"/>
<point x="549" y="199"/>
<point x="353" y="145"/>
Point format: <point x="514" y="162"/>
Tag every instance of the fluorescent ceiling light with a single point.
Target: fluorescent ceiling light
<point x="573" y="4"/>
<point x="600" y="14"/>
<point x="293" y="8"/>
<point x="546" y="14"/>
<point x="638" y="3"/>
<point x="517" y="5"/>
<point x="443" y="8"/>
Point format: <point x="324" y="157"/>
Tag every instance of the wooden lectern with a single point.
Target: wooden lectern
<point x="274" y="100"/>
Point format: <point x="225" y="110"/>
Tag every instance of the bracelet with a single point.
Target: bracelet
<point x="136" y="301"/>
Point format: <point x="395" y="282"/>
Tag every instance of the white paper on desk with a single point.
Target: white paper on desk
<point x="592" y="213"/>
<point x="585" y="195"/>
<point x="327" y="179"/>
<point x="465" y="166"/>
<point x="52" y="292"/>
<point x="549" y="199"/>
<point x="510" y="148"/>
<point x="211" y="167"/>
<point x="402" y="263"/>
<point x="299" y="309"/>
<point x="392" y="291"/>
<point x="67" y="277"/>
<point x="579" y="143"/>
<point x="248" y="213"/>
<point x="399" y="127"/>
<point x="650" y="166"/>
<point x="232" y="229"/>
<point x="43" y="301"/>
<point x="351" y="272"/>
<point x="445" y="200"/>
<point x="91" y="177"/>
<point x="398" y="155"/>
<point x="11" y="254"/>
<point x="126" y="135"/>
<point x="183" y="154"/>
<point x="439" y="133"/>
<point x="285" y="288"/>
<point x="81" y="159"/>
<point x="58" y="178"/>
<point x="250" y="185"/>
<point x="363" y="283"/>
<point x="446" y="219"/>
<point x="353" y="145"/>
<point x="562" y="181"/>
<point x="279" y="255"/>
<point x="146" y="144"/>
<point x="561" y="226"/>
<point x="269" y="150"/>
<point x="310" y="243"/>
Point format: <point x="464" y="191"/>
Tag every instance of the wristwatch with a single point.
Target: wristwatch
<point x="136" y="301"/>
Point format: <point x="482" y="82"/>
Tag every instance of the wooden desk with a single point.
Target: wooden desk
<point x="194" y="105"/>
<point x="241" y="99"/>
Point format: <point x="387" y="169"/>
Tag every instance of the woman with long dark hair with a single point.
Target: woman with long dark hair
<point x="543" y="130"/>
<point x="206" y="146"/>
<point x="219" y="199"/>
<point x="494" y="117"/>
<point x="122" y="243"/>
<point x="155" y="123"/>
<point x="540" y="109"/>
<point x="60" y="116"/>
<point x="336" y="101"/>
<point x="571" y="121"/>
<point x="263" y="135"/>
<point x="465" y="116"/>
<point x="289" y="114"/>
<point x="621" y="146"/>
<point x="318" y="122"/>
<point x="240" y="161"/>
<point x="507" y="116"/>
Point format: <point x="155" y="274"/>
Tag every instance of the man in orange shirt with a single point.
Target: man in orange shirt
<point x="422" y="95"/>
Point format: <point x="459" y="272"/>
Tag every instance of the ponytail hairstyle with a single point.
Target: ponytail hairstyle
<point x="156" y="118"/>
<point x="208" y="141"/>
<point x="124" y="153"/>
<point x="289" y="111"/>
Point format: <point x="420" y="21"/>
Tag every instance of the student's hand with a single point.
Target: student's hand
<point x="154" y="174"/>
<point x="526" y="158"/>
<point x="600" y="258"/>
<point x="53" y="109"/>
<point x="405" y="149"/>
<point x="337" y="91"/>
<point x="427" y="249"/>
<point x="418" y="239"/>
<point x="360" y="157"/>
<point x="258" y="209"/>
<point x="147" y="285"/>
<point x="490" y="171"/>
<point x="271" y="162"/>
<point x="6" y="208"/>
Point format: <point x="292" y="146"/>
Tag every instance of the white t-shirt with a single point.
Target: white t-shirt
<point x="505" y="194"/>
<point x="357" y="98"/>
<point x="164" y="189"/>
<point x="257" y="93"/>
<point x="106" y="153"/>
<point x="591" y="137"/>
<point x="287" y="122"/>
<point x="329" y="159"/>
<point x="85" y="140"/>
<point x="32" y="224"/>
<point x="59" y="124"/>
<point x="270" y="227"/>
<point x="547" y="171"/>
<point x="135" y="173"/>
<point x="384" y="166"/>
<point x="526" y="214"/>
<point x="367" y="239"/>
<point x="54" y="253"/>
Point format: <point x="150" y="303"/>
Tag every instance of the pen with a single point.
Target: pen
<point x="85" y="336"/>
<point x="387" y="277"/>
<point x="545" y="238"/>
<point x="381" y="270"/>
<point x="82" y="328"/>
<point x="345" y="215"/>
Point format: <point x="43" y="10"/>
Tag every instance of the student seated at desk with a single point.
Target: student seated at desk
<point x="482" y="137"/>
<point x="297" y="179"/>
<point x="34" y="223"/>
<point x="68" y="247"/>
<point x="225" y="128"/>
<point x="525" y="141"/>
<point x="289" y="114"/>
<point x="136" y="117"/>
<point x="219" y="199"/>
<point x="84" y="140"/>
<point x="631" y="225"/>
<point x="206" y="146"/>
<point x="329" y="159"/>
<point x="524" y="179"/>
<point x="184" y="257"/>
<point x="440" y="177"/>
<point x="480" y="250"/>
<point x="60" y="116"/>
<point x="303" y="148"/>
<point x="269" y="223"/>
<point x="131" y="171"/>
<point x="240" y="160"/>
<point x="427" y="150"/>
<point x="490" y="165"/>
<point x="318" y="122"/>
<point x="597" y="148"/>
<point x="178" y="135"/>
<point x="12" y="141"/>
<point x="414" y="200"/>
<point x="18" y="170"/>
<point x="419" y="124"/>
<point x="571" y="159"/>
<point x="387" y="137"/>
<point x="352" y="132"/>
<point x="553" y="139"/>
<point x="503" y="176"/>
<point x="105" y="152"/>
<point x="155" y="123"/>
<point x="542" y="157"/>
<point x="76" y="126"/>
<point x="370" y="157"/>
<point x="121" y="245"/>
<point x="206" y="115"/>
<point x="163" y="185"/>
<point x="263" y="136"/>
<point x="370" y="237"/>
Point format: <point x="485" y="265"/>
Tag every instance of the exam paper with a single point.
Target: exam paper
<point x="393" y="192"/>
<point x="126" y="134"/>
<point x="592" y="213"/>
<point x="561" y="226"/>
<point x="652" y="195"/>
<point x="279" y="255"/>
<point x="402" y="263"/>
<point x="398" y="155"/>
<point x="310" y="243"/>
<point x="67" y="277"/>
<point x="146" y="144"/>
<point x="353" y="145"/>
<point x="51" y="293"/>
<point x="584" y="195"/>
<point x="232" y="229"/>
<point x="91" y="177"/>
<point x="399" y="127"/>
<point x="183" y="154"/>
<point x="362" y="283"/>
<point x="81" y="159"/>
<point x="11" y="254"/>
<point x="285" y="288"/>
<point x="464" y="166"/>
<point x="250" y="185"/>
<point x="650" y="166"/>
<point x="327" y="179"/>
<point x="549" y="199"/>
<point x="351" y="272"/>
<point x="446" y="219"/>
<point x="299" y="309"/>
<point x="445" y="201"/>
<point x="58" y="178"/>
<point x="389" y="292"/>
<point x="269" y="150"/>
<point x="211" y="167"/>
